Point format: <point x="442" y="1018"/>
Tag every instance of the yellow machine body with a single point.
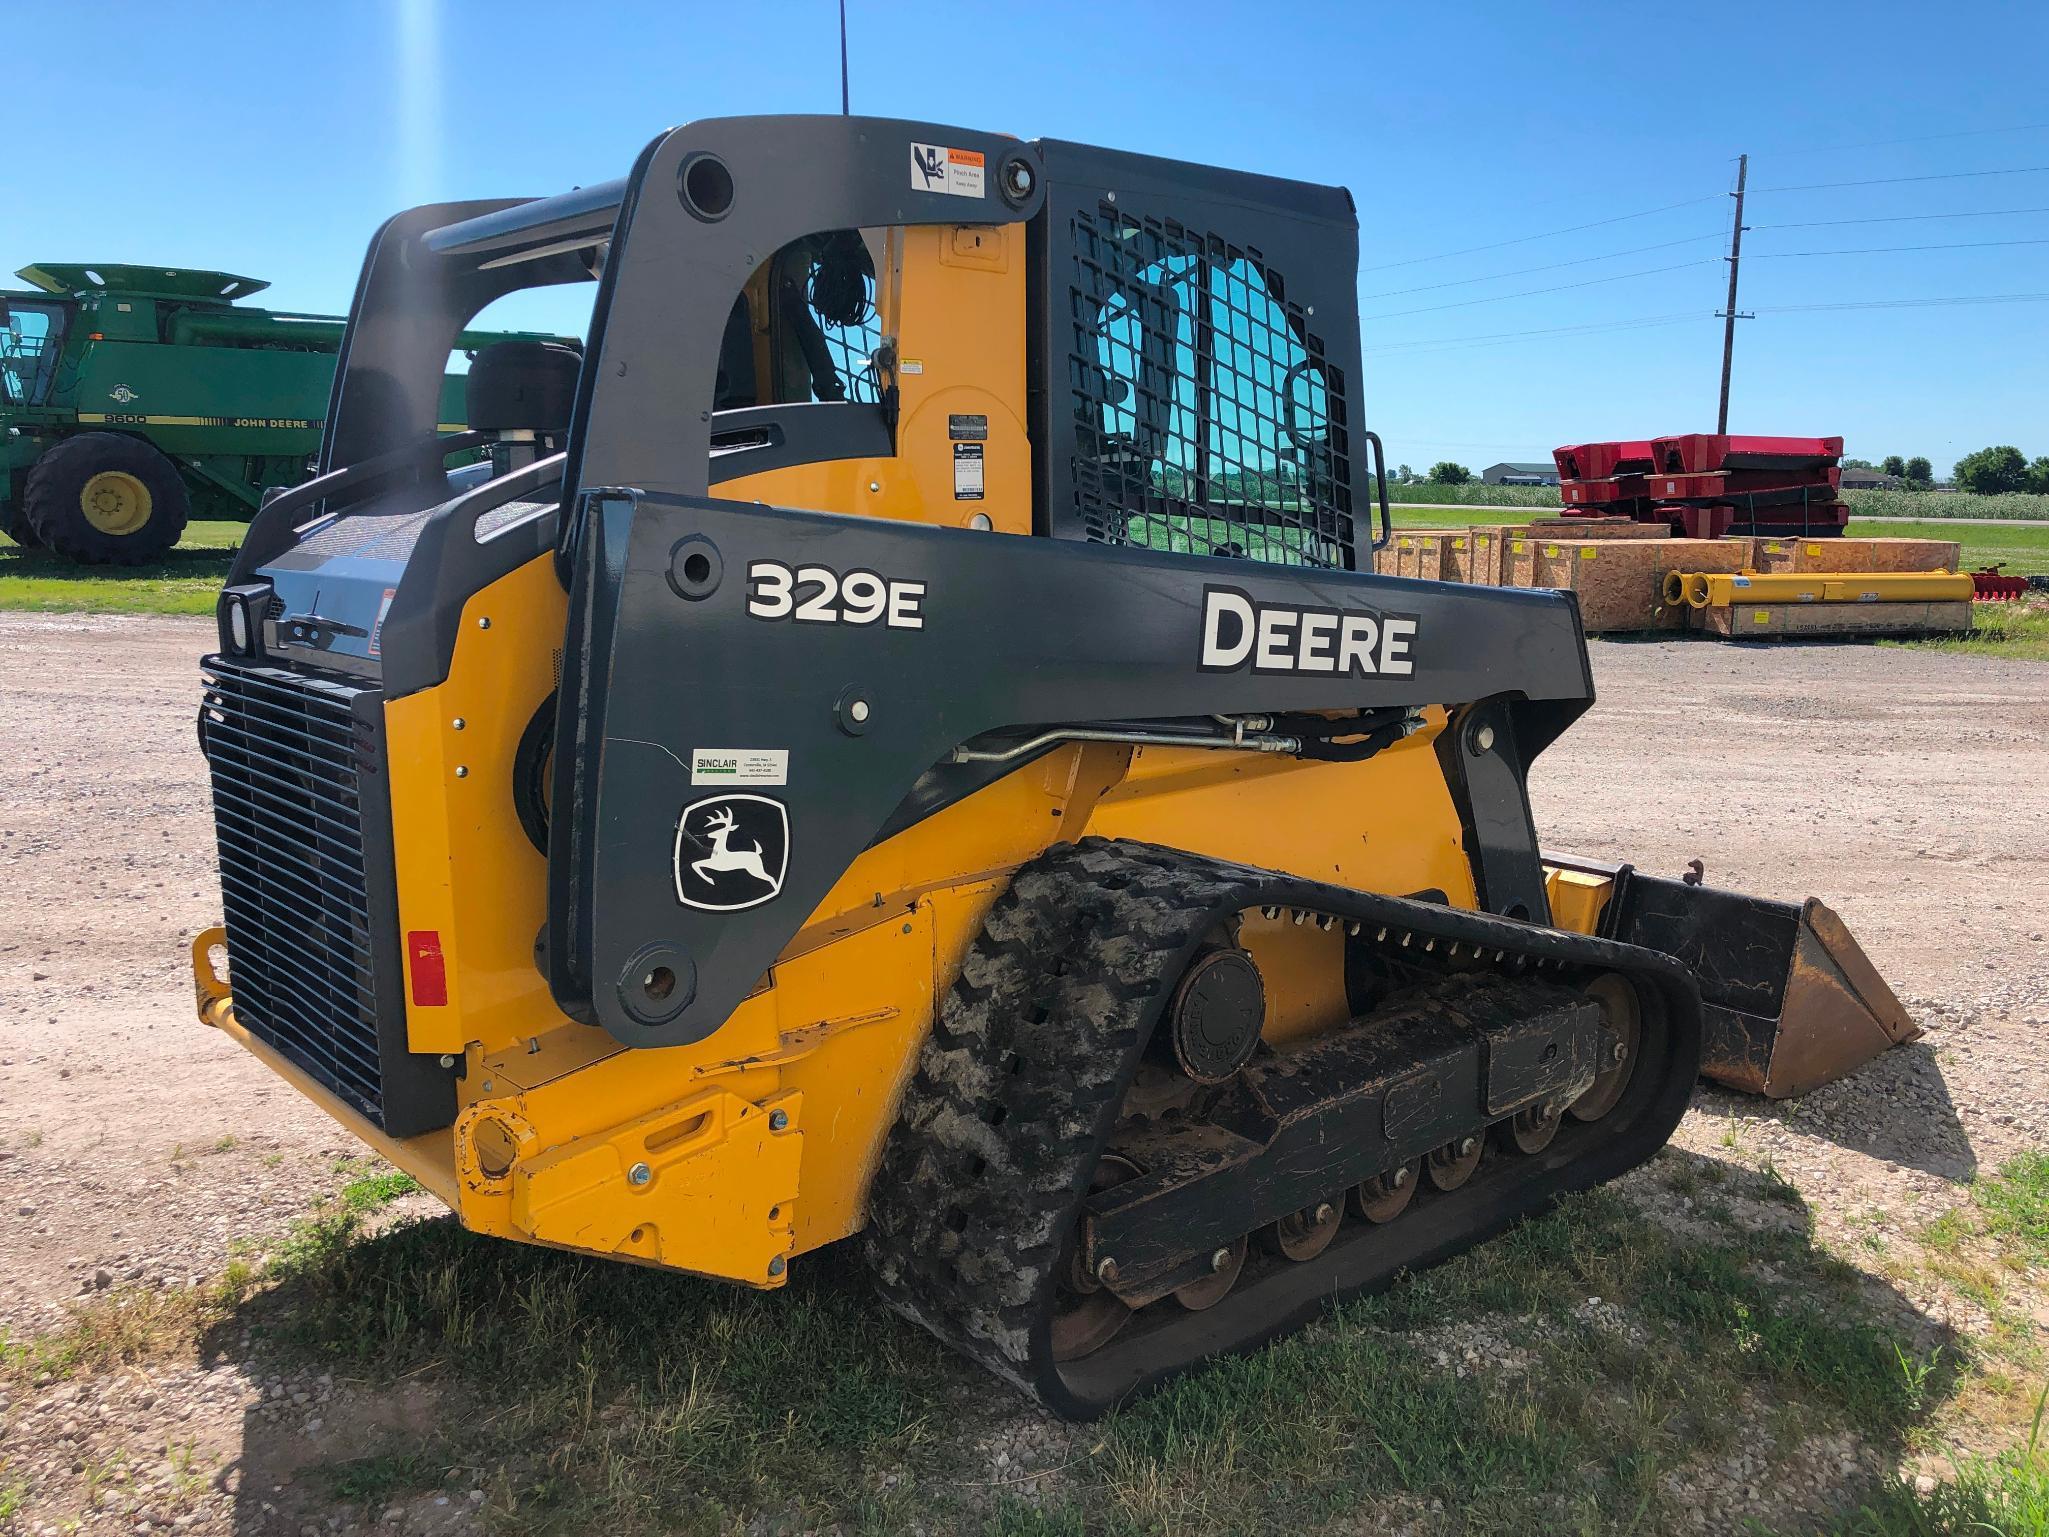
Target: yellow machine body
<point x="728" y="1157"/>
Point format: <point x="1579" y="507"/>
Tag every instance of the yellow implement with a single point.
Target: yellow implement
<point x="1718" y="589"/>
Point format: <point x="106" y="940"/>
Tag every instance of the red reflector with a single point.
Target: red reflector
<point x="96" y="336"/>
<point x="429" y="971"/>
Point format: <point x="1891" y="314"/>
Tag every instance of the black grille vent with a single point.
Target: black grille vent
<point x="304" y="834"/>
<point x="1207" y="418"/>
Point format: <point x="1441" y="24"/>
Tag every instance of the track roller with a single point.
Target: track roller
<point x="1224" y="1266"/>
<point x="1385" y="1196"/>
<point x="1453" y="1164"/>
<point x="1307" y="1233"/>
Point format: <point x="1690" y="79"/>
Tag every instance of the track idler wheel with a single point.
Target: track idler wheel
<point x="1453" y="1164"/>
<point x="1386" y="1196"/>
<point x="1224" y="1265"/>
<point x="1307" y="1233"/>
<point x="1087" y="1317"/>
<point x="1217" y="1013"/>
<point x="1623" y="1015"/>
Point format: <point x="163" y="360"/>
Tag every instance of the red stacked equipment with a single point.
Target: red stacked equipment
<point x="1705" y="484"/>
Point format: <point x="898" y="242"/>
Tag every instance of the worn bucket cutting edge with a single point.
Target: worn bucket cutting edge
<point x="1790" y="999"/>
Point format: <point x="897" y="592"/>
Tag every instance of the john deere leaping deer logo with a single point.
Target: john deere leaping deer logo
<point x="732" y="851"/>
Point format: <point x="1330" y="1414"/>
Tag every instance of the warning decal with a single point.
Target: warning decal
<point x="377" y="628"/>
<point x="957" y="172"/>
<point x="967" y="472"/>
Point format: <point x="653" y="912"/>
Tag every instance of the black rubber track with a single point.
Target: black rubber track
<point x="1019" y="1086"/>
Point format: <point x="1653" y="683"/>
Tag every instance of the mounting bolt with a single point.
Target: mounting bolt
<point x="1399" y="1178"/>
<point x="874" y="485"/>
<point x="639" y="1174"/>
<point x="778" y="1120"/>
<point x="1219" y="1260"/>
<point x="778" y="1265"/>
<point x="1620" y="1053"/>
<point x="1323" y="1213"/>
<point x="462" y="771"/>
<point x="1466" y="1145"/>
<point x="484" y="623"/>
<point x="1106" y="1269"/>
<point x="458" y="723"/>
<point x="1483" y="739"/>
<point x="448" y="1062"/>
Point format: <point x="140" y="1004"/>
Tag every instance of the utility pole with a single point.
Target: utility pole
<point x="1729" y="314"/>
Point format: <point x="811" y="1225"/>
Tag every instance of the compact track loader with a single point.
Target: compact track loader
<point x="895" y="738"/>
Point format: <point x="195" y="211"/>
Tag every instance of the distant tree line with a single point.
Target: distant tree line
<point x="1988" y="472"/>
<point x="1992" y="471"/>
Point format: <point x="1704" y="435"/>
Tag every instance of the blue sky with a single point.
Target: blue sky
<point x="271" y="139"/>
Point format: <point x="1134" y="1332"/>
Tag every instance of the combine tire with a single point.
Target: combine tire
<point x="104" y="499"/>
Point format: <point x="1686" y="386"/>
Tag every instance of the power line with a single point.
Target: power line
<point x="1894" y="181"/>
<point x="1526" y="293"/>
<point x="1901" y="218"/>
<point x="1544" y="234"/>
<point x="1577" y="261"/>
<point x="1880" y="250"/>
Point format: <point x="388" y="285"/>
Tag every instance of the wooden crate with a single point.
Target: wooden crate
<point x="1783" y="554"/>
<point x="1598" y="528"/>
<point x="1768" y="621"/>
<point x="1470" y="557"/>
<point x="1621" y="582"/>
<point x="1419" y="552"/>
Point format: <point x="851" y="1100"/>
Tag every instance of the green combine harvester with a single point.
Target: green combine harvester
<point x="133" y="399"/>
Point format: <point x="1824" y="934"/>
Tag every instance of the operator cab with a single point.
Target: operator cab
<point x="31" y="339"/>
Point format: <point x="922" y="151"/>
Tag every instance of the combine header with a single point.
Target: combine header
<point x="1705" y="485"/>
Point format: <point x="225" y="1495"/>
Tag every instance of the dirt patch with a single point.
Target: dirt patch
<point x="141" y="1152"/>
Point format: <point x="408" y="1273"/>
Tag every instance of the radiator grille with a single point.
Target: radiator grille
<point x="1207" y="419"/>
<point x="290" y="755"/>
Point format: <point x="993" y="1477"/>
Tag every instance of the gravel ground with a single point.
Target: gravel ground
<point x="1909" y="788"/>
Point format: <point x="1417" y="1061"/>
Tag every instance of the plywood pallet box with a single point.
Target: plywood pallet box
<point x="1620" y="582"/>
<point x="1471" y="557"/>
<point x="1771" y="621"/>
<point x="1420" y="552"/>
<point x="1800" y="555"/>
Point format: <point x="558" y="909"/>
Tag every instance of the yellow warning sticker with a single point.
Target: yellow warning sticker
<point x="1516" y="545"/>
<point x="1550" y="551"/>
<point x="1814" y="549"/>
<point x="1761" y="615"/>
<point x="1775" y="549"/>
<point x="1586" y="552"/>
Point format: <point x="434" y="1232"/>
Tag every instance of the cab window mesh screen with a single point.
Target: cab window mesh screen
<point x="1206" y="418"/>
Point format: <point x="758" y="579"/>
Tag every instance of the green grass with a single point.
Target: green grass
<point x="186" y="582"/>
<point x="2016" y="1202"/>
<point x="1473" y="494"/>
<point x="583" y="1395"/>
<point x="2004" y="1496"/>
<point x="2016" y="631"/>
<point x="633" y="1400"/>
<point x="1945" y="504"/>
